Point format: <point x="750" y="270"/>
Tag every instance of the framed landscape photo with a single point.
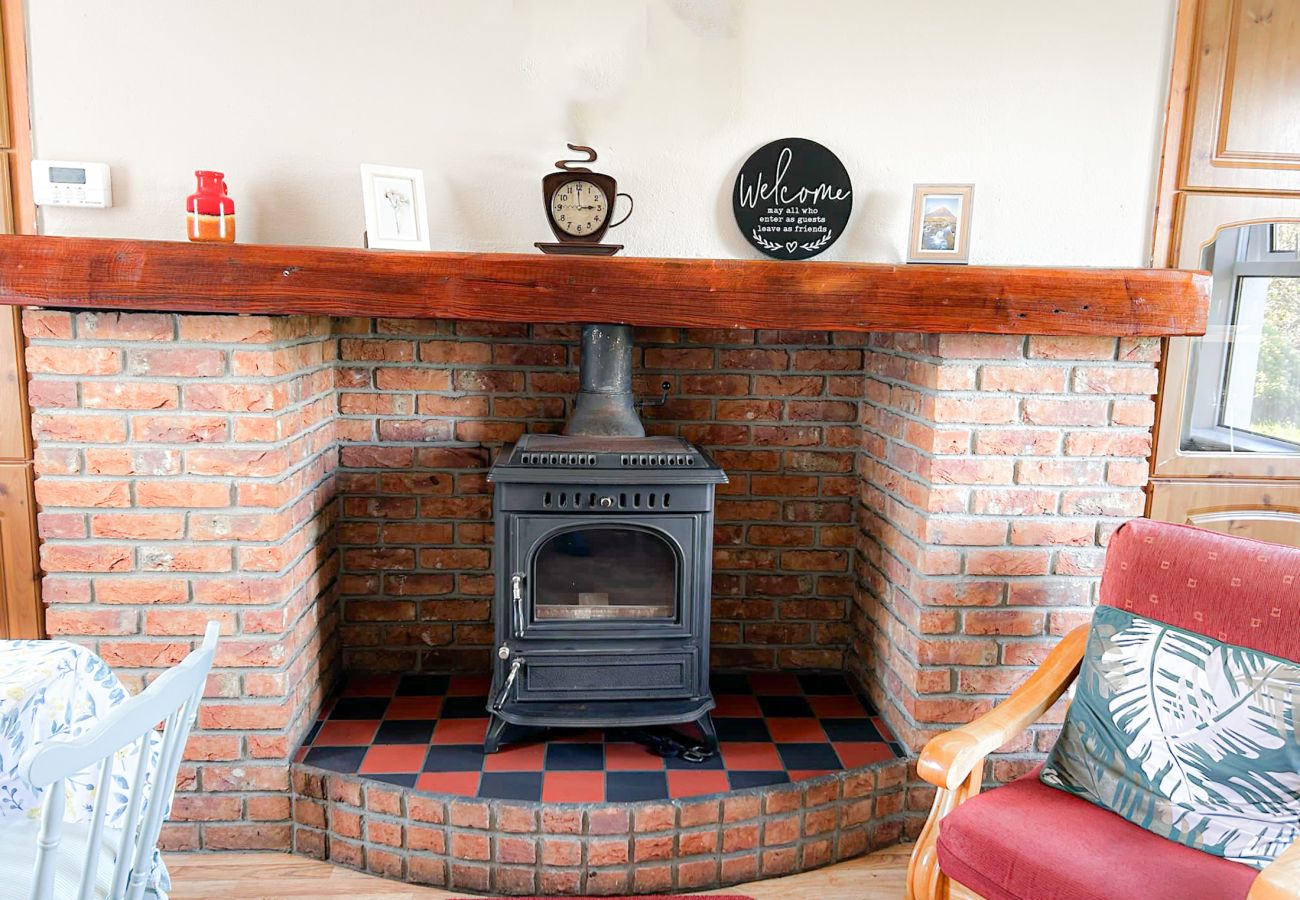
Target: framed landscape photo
<point x="941" y="216"/>
<point x="396" y="216"/>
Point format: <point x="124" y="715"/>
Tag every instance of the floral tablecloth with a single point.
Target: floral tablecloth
<point x="53" y="688"/>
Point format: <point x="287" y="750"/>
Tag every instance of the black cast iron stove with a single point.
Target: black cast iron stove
<point x="604" y="559"/>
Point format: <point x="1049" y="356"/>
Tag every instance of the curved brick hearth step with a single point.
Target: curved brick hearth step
<point x="393" y="779"/>
<point x="516" y="847"/>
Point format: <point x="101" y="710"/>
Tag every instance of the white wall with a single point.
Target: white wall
<point x="1053" y="110"/>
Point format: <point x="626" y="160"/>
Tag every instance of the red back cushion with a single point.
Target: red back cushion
<point x="1232" y="589"/>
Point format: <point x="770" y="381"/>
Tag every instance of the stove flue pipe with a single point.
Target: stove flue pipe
<point x="605" y="406"/>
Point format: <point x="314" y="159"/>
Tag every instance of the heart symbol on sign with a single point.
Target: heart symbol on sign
<point x="790" y="245"/>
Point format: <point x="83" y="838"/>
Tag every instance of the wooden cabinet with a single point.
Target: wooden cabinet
<point x="14" y="443"/>
<point x="20" y="606"/>
<point x="1264" y="510"/>
<point x="1244" y="132"/>
<point x="1231" y="170"/>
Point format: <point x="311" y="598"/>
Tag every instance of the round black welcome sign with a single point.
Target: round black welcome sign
<point x="792" y="198"/>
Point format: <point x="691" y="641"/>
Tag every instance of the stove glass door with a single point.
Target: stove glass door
<point x="605" y="573"/>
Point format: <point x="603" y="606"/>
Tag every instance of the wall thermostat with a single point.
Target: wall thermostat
<point x="60" y="183"/>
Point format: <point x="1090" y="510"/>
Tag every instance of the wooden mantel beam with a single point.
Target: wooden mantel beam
<point x="94" y="273"/>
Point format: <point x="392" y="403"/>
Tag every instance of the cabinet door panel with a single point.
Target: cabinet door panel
<point x="1265" y="511"/>
<point x="1245" y="132"/>
<point x="20" y="613"/>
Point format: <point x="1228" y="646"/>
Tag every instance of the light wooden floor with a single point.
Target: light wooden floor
<point x="246" y="876"/>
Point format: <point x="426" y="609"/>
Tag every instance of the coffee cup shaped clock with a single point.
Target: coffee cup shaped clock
<point x="792" y="198"/>
<point x="578" y="207"/>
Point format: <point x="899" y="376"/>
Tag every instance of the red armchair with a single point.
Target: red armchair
<point x="1028" y="841"/>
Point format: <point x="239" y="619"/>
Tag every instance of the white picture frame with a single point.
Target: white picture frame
<point x="941" y="219"/>
<point x="397" y="217"/>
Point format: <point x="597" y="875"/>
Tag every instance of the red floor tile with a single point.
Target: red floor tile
<point x="301" y="754"/>
<point x="750" y="756"/>
<point x="693" y="784"/>
<point x="838" y="707"/>
<point x="383" y="758"/>
<point x="524" y="758"/>
<point x="775" y="683"/>
<point x="796" y="731"/>
<point x="733" y="705"/>
<point x="882" y="728"/>
<point x="460" y="731"/>
<point x="854" y="754"/>
<point x="573" y="787"/>
<point x="346" y="733"/>
<point x="414" y="708"/>
<point x="806" y="774"/>
<point x="631" y="758"/>
<point x="462" y="784"/>
<point x="469" y="686"/>
<point x="371" y="686"/>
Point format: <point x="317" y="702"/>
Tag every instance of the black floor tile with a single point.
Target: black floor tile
<point x="313" y="731"/>
<point x="624" y="787"/>
<point x="359" y="708"/>
<point x="406" y="780"/>
<point x="738" y="729"/>
<point x="564" y="757"/>
<point x="809" y="756"/>
<point x="454" y="758"/>
<point x="742" y="780"/>
<point x="423" y="685"/>
<point x="729" y="683"/>
<point x="464" y="707"/>
<point x="851" y="730"/>
<point x="785" y="707"/>
<point x="511" y="786"/>
<point x="405" y="731"/>
<point x="336" y="759"/>
<point x="821" y="683"/>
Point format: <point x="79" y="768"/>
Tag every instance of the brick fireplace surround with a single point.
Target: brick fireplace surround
<point x="925" y="512"/>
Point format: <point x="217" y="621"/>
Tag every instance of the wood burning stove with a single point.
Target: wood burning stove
<point x="604" y="546"/>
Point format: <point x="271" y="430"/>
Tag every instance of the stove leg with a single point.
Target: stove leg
<point x="705" y="724"/>
<point x="492" y="741"/>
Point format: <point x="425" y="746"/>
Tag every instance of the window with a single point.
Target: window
<point x="1245" y="390"/>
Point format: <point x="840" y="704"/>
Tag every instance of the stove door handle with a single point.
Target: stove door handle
<point x="517" y="595"/>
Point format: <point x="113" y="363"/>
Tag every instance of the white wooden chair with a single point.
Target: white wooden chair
<point x="174" y="696"/>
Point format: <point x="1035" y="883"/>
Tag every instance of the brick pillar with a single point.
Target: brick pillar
<point x="186" y="472"/>
<point x="994" y="469"/>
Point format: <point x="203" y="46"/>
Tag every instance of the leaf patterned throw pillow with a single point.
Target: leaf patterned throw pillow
<point x="1188" y="737"/>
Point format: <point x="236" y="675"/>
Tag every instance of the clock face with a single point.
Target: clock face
<point x="579" y="208"/>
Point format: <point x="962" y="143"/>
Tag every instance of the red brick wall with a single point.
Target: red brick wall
<point x="187" y="472"/>
<point x="425" y="405"/>
<point x="206" y="466"/>
<point x="994" y="470"/>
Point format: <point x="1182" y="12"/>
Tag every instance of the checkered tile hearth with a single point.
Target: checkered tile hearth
<point x="426" y="732"/>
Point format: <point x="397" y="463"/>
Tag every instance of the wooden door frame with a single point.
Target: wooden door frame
<point x="23" y="615"/>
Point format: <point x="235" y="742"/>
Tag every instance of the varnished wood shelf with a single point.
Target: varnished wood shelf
<point x="94" y="273"/>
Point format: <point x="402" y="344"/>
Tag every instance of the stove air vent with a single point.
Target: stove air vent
<point x="558" y="459"/>
<point x="643" y="460"/>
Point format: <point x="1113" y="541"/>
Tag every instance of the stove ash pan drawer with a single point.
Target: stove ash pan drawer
<point x="608" y="676"/>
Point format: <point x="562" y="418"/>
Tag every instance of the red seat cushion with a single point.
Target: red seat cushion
<point x="1028" y="841"/>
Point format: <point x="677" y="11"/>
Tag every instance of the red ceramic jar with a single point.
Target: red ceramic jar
<point x="209" y="212"/>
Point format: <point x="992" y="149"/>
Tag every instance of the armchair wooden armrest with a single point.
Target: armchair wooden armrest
<point x="948" y="759"/>
<point x="954" y="761"/>
<point x="1280" y="879"/>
